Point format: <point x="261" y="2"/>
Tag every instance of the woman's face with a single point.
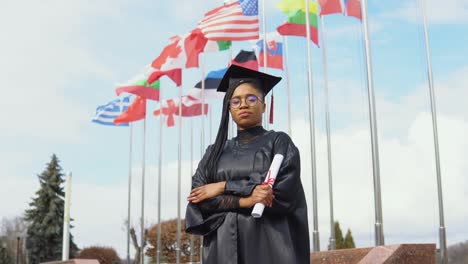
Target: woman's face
<point x="247" y="115"/>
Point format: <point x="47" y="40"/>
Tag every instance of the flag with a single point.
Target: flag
<point x="105" y="114"/>
<point x="246" y="59"/>
<point x="194" y="44"/>
<point x="175" y="75"/>
<point x="328" y="7"/>
<point x="212" y="81"/>
<point x="220" y="45"/>
<point x="190" y="107"/>
<point x="232" y="21"/>
<point x="139" y="85"/>
<point x="182" y="52"/>
<point x="136" y="111"/>
<point x="353" y="8"/>
<point x="295" y="26"/>
<point x="274" y="44"/>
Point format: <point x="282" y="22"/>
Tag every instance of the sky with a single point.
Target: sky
<point x="61" y="59"/>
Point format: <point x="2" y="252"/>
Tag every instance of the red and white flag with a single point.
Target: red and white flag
<point x="191" y="106"/>
<point x="182" y="52"/>
<point x="234" y="21"/>
<point x="175" y="75"/>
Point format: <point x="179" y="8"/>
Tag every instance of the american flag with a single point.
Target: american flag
<point x="234" y="21"/>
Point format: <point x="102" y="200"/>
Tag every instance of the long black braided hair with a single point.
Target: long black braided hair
<point x="221" y="138"/>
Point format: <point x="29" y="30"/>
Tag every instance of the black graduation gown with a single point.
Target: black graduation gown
<point x="231" y="234"/>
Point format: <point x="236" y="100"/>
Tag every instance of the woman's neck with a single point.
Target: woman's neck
<point x="246" y="135"/>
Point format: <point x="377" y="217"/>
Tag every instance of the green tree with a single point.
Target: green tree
<point x="338" y="236"/>
<point x="340" y="242"/>
<point x="45" y="217"/>
<point x="349" y="240"/>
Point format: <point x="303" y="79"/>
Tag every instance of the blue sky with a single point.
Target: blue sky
<point x="62" y="59"/>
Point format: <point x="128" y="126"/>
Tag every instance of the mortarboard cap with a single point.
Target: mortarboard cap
<point x="236" y="75"/>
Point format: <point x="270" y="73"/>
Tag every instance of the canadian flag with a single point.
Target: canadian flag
<point x="191" y="106"/>
<point x="182" y="52"/>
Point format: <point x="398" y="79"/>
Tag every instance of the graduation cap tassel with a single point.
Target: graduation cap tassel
<point x="272" y="104"/>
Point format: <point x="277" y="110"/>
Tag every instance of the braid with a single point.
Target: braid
<point x="218" y="147"/>
<point x="221" y="137"/>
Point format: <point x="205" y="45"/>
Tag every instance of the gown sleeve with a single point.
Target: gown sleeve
<point x="287" y="187"/>
<point x="208" y="215"/>
<point x="243" y="187"/>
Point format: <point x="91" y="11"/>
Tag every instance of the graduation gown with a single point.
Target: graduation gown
<point x="231" y="234"/>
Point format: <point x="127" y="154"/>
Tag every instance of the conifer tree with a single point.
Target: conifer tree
<point x="349" y="240"/>
<point x="45" y="217"/>
<point x="338" y="236"/>
<point x="340" y="242"/>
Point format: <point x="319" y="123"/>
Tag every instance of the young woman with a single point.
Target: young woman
<point x="228" y="183"/>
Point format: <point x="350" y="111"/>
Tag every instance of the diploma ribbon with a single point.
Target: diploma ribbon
<point x="269" y="180"/>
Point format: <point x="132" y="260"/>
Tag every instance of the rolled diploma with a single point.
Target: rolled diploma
<point x="270" y="180"/>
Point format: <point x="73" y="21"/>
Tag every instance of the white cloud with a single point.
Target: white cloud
<point x="188" y="11"/>
<point x="353" y="30"/>
<point x="407" y="178"/>
<point x="43" y="54"/>
<point x="103" y="209"/>
<point x="437" y="12"/>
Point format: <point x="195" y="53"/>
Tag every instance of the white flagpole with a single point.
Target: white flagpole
<point x="202" y="148"/>
<point x="202" y="136"/>
<point x="202" y="142"/>
<point x="231" y="123"/>
<point x="332" y="239"/>
<point x="265" y="61"/>
<point x="315" y="232"/>
<point x="210" y="113"/>
<point x="288" y="85"/>
<point x="442" y="235"/>
<point x="129" y="198"/>
<point x="191" y="173"/>
<point x="161" y="125"/>
<point x="142" y="221"/>
<point x="66" y="219"/>
<point x="179" y="177"/>
<point x="203" y="101"/>
<point x="379" y="235"/>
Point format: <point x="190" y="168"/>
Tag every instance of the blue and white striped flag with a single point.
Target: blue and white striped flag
<point x="105" y="114"/>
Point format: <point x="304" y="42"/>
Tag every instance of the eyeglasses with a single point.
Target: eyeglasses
<point x="249" y="100"/>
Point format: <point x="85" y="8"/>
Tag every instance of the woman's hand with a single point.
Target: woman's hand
<point x="261" y="194"/>
<point x="207" y="191"/>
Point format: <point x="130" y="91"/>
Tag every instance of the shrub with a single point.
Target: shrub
<point x="105" y="255"/>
